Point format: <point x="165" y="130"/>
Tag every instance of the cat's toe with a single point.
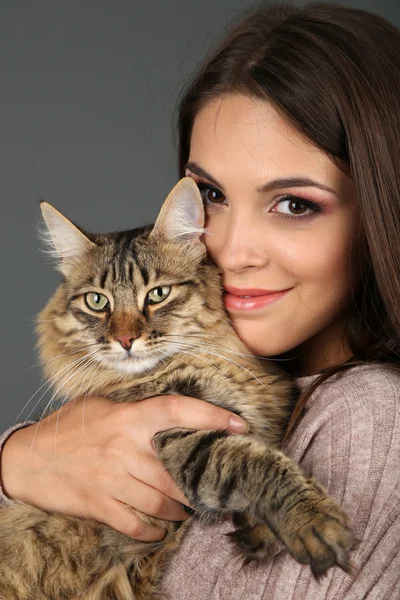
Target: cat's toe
<point x="322" y="539"/>
<point x="256" y="542"/>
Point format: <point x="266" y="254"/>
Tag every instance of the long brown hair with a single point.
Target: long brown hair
<point x="334" y="72"/>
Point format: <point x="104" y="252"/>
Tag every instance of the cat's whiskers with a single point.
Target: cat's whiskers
<point x="55" y="378"/>
<point x="77" y="368"/>
<point x="48" y="382"/>
<point x="43" y="320"/>
<point x="85" y="396"/>
<point x="82" y="367"/>
<point x="183" y="345"/>
<point x="204" y="338"/>
<point x="63" y="355"/>
<point x="221" y="319"/>
<point x="198" y="357"/>
<point x="89" y="366"/>
<point x="100" y="362"/>
<point x="48" y="405"/>
<point x="71" y="373"/>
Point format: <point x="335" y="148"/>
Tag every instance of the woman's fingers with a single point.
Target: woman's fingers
<point x="151" y="471"/>
<point x="148" y="499"/>
<point x="160" y="413"/>
<point x="184" y="411"/>
<point x="122" y="519"/>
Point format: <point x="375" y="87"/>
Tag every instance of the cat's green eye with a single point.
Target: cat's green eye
<point x="158" y="294"/>
<point x="96" y="301"/>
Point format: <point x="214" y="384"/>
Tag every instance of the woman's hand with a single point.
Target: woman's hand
<point x="94" y="456"/>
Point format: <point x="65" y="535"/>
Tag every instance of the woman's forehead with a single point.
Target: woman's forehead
<point x="235" y="135"/>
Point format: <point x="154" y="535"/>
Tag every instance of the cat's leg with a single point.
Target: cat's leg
<point x="222" y="473"/>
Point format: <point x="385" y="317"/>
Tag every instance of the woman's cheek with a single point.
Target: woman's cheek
<point x="316" y="253"/>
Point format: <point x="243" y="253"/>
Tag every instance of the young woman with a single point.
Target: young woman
<point x="291" y="130"/>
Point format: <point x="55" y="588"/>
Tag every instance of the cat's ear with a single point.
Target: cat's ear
<point x="182" y="215"/>
<point x="64" y="241"/>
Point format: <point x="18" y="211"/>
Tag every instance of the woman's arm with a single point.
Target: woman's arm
<point x="94" y="458"/>
<point x="349" y="440"/>
<point x="3" y="439"/>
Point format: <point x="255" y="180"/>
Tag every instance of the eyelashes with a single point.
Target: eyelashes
<point x="299" y="207"/>
<point x="205" y="189"/>
<point x="298" y="203"/>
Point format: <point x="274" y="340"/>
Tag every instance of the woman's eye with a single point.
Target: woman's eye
<point x="158" y="294"/>
<point x="293" y="206"/>
<point x="210" y="194"/>
<point x="96" y="301"/>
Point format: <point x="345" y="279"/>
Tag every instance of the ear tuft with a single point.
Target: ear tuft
<point x="62" y="239"/>
<point x="181" y="217"/>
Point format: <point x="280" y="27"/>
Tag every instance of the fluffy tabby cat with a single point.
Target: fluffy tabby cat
<point x="149" y="301"/>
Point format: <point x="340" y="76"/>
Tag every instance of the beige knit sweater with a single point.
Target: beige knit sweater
<point x="349" y="439"/>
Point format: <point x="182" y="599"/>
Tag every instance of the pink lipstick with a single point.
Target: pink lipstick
<point x="243" y="299"/>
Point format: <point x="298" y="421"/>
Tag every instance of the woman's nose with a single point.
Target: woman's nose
<point x="241" y="247"/>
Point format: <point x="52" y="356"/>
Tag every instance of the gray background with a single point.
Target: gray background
<point x="87" y="96"/>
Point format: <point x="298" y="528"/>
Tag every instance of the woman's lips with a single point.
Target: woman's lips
<point x="250" y="299"/>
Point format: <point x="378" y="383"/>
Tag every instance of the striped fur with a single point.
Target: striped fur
<point x="185" y="344"/>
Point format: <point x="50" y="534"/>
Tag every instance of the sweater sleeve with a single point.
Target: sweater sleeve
<point x="349" y="440"/>
<point x="3" y="438"/>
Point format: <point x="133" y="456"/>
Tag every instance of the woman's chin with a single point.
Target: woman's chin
<point x="256" y="342"/>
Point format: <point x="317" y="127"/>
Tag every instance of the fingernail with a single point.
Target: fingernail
<point x="237" y="425"/>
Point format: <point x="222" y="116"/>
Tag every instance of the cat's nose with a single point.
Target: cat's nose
<point x="126" y="341"/>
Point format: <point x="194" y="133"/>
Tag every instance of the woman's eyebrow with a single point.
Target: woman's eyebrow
<point x="274" y="184"/>
<point x="197" y="170"/>
<point x="286" y="182"/>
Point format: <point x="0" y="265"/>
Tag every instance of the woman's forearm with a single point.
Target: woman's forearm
<point x="7" y="449"/>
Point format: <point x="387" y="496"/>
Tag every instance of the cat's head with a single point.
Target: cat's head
<point x="130" y="299"/>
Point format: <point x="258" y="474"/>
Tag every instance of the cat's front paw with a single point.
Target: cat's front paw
<point x="316" y="531"/>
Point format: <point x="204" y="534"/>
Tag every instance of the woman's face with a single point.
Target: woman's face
<point x="281" y="219"/>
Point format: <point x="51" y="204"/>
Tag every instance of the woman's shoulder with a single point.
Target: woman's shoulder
<point x="376" y="383"/>
<point x="373" y="378"/>
<point x="355" y="407"/>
